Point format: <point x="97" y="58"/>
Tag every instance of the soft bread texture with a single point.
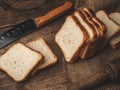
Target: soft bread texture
<point x="84" y="53"/>
<point x="49" y="57"/>
<point x="71" y="37"/>
<point x="112" y="28"/>
<point x="115" y="42"/>
<point x="19" y="61"/>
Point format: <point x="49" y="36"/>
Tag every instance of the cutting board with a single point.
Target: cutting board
<point x="61" y="76"/>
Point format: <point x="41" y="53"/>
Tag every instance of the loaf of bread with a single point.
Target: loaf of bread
<point x="19" y="61"/>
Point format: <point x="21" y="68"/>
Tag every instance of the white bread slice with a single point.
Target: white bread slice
<point x="112" y="28"/>
<point x="19" y="61"/>
<point x="115" y="42"/>
<point x="71" y="37"/>
<point x="49" y="57"/>
<point x="92" y="34"/>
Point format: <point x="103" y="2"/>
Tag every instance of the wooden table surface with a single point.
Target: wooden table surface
<point x="62" y="76"/>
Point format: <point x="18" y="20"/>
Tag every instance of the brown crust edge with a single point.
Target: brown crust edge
<point x="28" y="75"/>
<point x="92" y="14"/>
<point x="89" y="24"/>
<point x="96" y="22"/>
<point x="91" y="44"/>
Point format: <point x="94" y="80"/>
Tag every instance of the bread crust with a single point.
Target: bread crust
<point x="86" y="38"/>
<point x="100" y="23"/>
<point x="29" y="71"/>
<point x="48" y="47"/>
<point x="89" y="24"/>
<point x="86" y="50"/>
<point x="94" y="24"/>
<point x="101" y="29"/>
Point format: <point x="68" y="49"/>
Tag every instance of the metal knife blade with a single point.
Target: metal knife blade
<point x="30" y="25"/>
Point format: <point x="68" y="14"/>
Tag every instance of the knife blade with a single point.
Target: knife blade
<point x="31" y="25"/>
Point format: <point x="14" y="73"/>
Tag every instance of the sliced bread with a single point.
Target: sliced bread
<point x="99" y="26"/>
<point x="88" y="27"/>
<point x="115" y="42"/>
<point x="112" y="28"/>
<point x="71" y="38"/>
<point x="95" y="19"/>
<point x="49" y="57"/>
<point x="19" y="61"/>
<point x="92" y="34"/>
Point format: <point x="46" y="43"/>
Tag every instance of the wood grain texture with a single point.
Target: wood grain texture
<point x="62" y="76"/>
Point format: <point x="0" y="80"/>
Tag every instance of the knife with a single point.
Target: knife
<point x="31" y="25"/>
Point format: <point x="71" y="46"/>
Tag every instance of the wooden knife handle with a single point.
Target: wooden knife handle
<point x="55" y="13"/>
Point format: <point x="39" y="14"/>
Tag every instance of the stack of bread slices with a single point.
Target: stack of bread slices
<point x="80" y="35"/>
<point x="85" y="32"/>
<point x="22" y="61"/>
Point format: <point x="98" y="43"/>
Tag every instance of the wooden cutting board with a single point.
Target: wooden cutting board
<point x="63" y="75"/>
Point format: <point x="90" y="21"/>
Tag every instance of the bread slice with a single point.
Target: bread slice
<point x="92" y="34"/>
<point x="112" y="28"/>
<point x="19" y="61"/>
<point x="71" y="38"/>
<point x="115" y="42"/>
<point x="49" y="57"/>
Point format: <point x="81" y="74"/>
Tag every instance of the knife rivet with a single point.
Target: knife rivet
<point x="12" y="31"/>
<point x="41" y="20"/>
<point x="27" y="22"/>
<point x="49" y="15"/>
<point x="18" y="28"/>
<point x="1" y="38"/>
<point x="23" y="25"/>
<point x="7" y="34"/>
